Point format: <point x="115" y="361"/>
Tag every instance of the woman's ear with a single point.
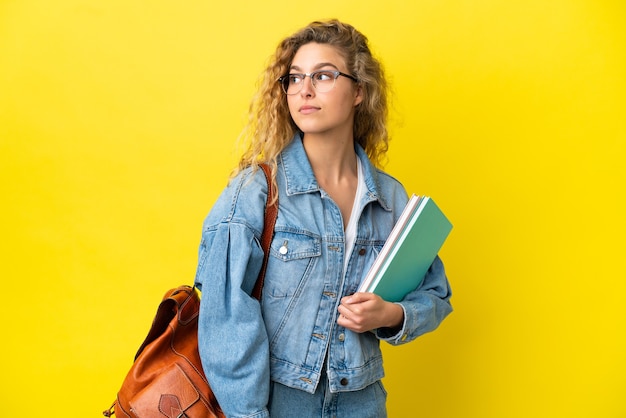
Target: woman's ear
<point x="358" y="98"/>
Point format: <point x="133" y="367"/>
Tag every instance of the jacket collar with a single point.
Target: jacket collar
<point x="299" y="177"/>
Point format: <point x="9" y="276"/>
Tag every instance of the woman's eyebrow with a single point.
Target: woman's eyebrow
<point x="316" y="67"/>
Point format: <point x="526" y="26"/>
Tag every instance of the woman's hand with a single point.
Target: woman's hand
<point x="363" y="312"/>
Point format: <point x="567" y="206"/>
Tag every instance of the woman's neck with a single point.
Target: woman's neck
<point x="333" y="159"/>
<point x="335" y="166"/>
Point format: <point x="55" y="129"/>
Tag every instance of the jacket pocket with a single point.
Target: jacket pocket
<point x="292" y="259"/>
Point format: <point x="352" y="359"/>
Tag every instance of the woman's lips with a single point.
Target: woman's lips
<point x="306" y="110"/>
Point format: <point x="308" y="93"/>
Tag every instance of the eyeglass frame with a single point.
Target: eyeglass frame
<point x="335" y="73"/>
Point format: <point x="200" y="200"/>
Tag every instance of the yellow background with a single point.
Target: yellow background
<point x="117" y="128"/>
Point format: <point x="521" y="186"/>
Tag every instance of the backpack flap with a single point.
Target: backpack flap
<point x="157" y="400"/>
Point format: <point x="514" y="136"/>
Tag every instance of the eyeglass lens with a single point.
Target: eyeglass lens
<point x="323" y="81"/>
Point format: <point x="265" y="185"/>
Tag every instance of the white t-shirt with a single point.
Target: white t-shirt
<point x="350" y="232"/>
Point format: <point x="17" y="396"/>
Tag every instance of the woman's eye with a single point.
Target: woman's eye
<point x="324" y="76"/>
<point x="295" y="78"/>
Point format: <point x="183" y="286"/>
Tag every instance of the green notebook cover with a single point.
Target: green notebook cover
<point x="409" y="251"/>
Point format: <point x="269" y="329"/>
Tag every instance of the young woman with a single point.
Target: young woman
<point x="310" y="348"/>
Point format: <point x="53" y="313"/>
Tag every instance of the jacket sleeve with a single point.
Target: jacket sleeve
<point x="424" y="308"/>
<point x="233" y="342"/>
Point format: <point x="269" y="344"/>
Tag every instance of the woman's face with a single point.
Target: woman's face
<point x="323" y="113"/>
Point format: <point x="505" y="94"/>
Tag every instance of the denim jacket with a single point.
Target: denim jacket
<point x="292" y="333"/>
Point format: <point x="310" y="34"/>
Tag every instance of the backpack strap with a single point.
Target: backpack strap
<point x="271" y="213"/>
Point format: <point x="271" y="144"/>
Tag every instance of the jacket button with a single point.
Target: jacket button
<point x="342" y="337"/>
<point x="343" y="381"/>
<point x="362" y="251"/>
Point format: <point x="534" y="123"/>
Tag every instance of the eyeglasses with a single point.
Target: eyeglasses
<point x="323" y="81"/>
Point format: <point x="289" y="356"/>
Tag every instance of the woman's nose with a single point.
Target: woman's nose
<point x="307" y="87"/>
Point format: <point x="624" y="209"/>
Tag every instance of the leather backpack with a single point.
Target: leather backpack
<point x="166" y="378"/>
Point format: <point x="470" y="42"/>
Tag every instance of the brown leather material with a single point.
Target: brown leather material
<point x="271" y="213"/>
<point x="166" y="378"/>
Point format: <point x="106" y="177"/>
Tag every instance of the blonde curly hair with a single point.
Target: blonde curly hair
<point x="270" y="127"/>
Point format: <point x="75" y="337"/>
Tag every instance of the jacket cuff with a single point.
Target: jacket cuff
<point x="393" y="335"/>
<point x="261" y="414"/>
